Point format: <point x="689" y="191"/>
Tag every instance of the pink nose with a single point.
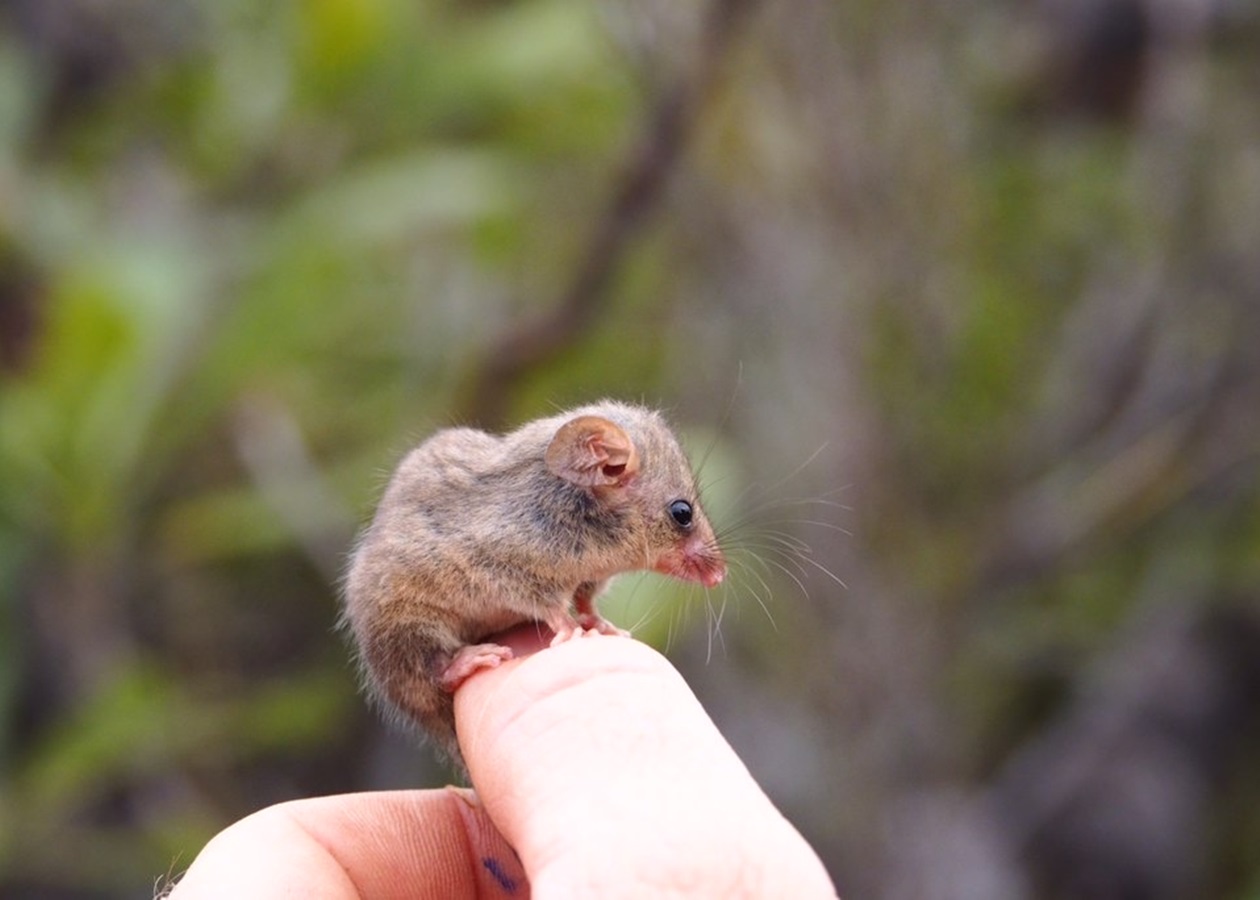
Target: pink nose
<point x="713" y="577"/>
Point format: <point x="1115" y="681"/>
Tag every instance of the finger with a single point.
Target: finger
<point x="602" y="770"/>
<point x="374" y="846"/>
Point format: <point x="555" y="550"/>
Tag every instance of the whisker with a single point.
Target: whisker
<point x="796" y="578"/>
<point x="715" y="627"/>
<point x="760" y="602"/>
<point x="708" y="650"/>
<point x="826" y="571"/>
<point x="757" y="510"/>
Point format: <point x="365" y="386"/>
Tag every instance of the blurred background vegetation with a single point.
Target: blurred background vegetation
<point x="963" y="295"/>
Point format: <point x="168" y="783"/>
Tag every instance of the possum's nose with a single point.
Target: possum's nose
<point x="694" y="560"/>
<point x="713" y="576"/>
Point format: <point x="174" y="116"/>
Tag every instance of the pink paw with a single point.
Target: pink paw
<point x="567" y="627"/>
<point x="566" y="631"/>
<point x="594" y="623"/>
<point x="471" y="659"/>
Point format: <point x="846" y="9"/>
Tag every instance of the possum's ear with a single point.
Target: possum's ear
<point x="592" y="452"/>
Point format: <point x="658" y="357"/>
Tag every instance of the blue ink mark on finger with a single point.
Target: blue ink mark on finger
<point x="506" y="881"/>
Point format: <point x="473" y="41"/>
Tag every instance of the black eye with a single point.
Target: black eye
<point x="680" y="512"/>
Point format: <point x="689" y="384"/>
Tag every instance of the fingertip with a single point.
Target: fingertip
<point x="547" y="697"/>
<point x="598" y="743"/>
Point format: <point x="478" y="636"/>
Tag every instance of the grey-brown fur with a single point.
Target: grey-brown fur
<point x="475" y="534"/>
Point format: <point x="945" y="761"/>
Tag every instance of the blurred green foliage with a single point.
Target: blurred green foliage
<point x="231" y="214"/>
<point x="250" y="252"/>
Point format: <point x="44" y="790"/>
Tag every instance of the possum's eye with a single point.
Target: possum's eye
<point x="680" y="512"/>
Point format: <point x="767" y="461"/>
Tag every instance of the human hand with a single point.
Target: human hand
<point x="593" y="760"/>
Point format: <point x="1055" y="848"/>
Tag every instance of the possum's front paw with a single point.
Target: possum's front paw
<point x="566" y="628"/>
<point x="569" y="627"/>
<point x="594" y="623"/>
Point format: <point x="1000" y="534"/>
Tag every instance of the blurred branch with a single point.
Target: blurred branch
<point x="1112" y="800"/>
<point x="21" y="311"/>
<point x="534" y="341"/>
<point x="1179" y="431"/>
<point x="1050" y="523"/>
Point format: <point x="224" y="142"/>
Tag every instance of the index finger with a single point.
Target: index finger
<point x="602" y="770"/>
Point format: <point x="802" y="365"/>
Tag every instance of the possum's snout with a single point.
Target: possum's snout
<point x="697" y="558"/>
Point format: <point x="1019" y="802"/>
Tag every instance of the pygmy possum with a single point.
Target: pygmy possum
<point x="478" y="533"/>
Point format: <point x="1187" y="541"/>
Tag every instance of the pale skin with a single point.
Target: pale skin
<point x="592" y="759"/>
